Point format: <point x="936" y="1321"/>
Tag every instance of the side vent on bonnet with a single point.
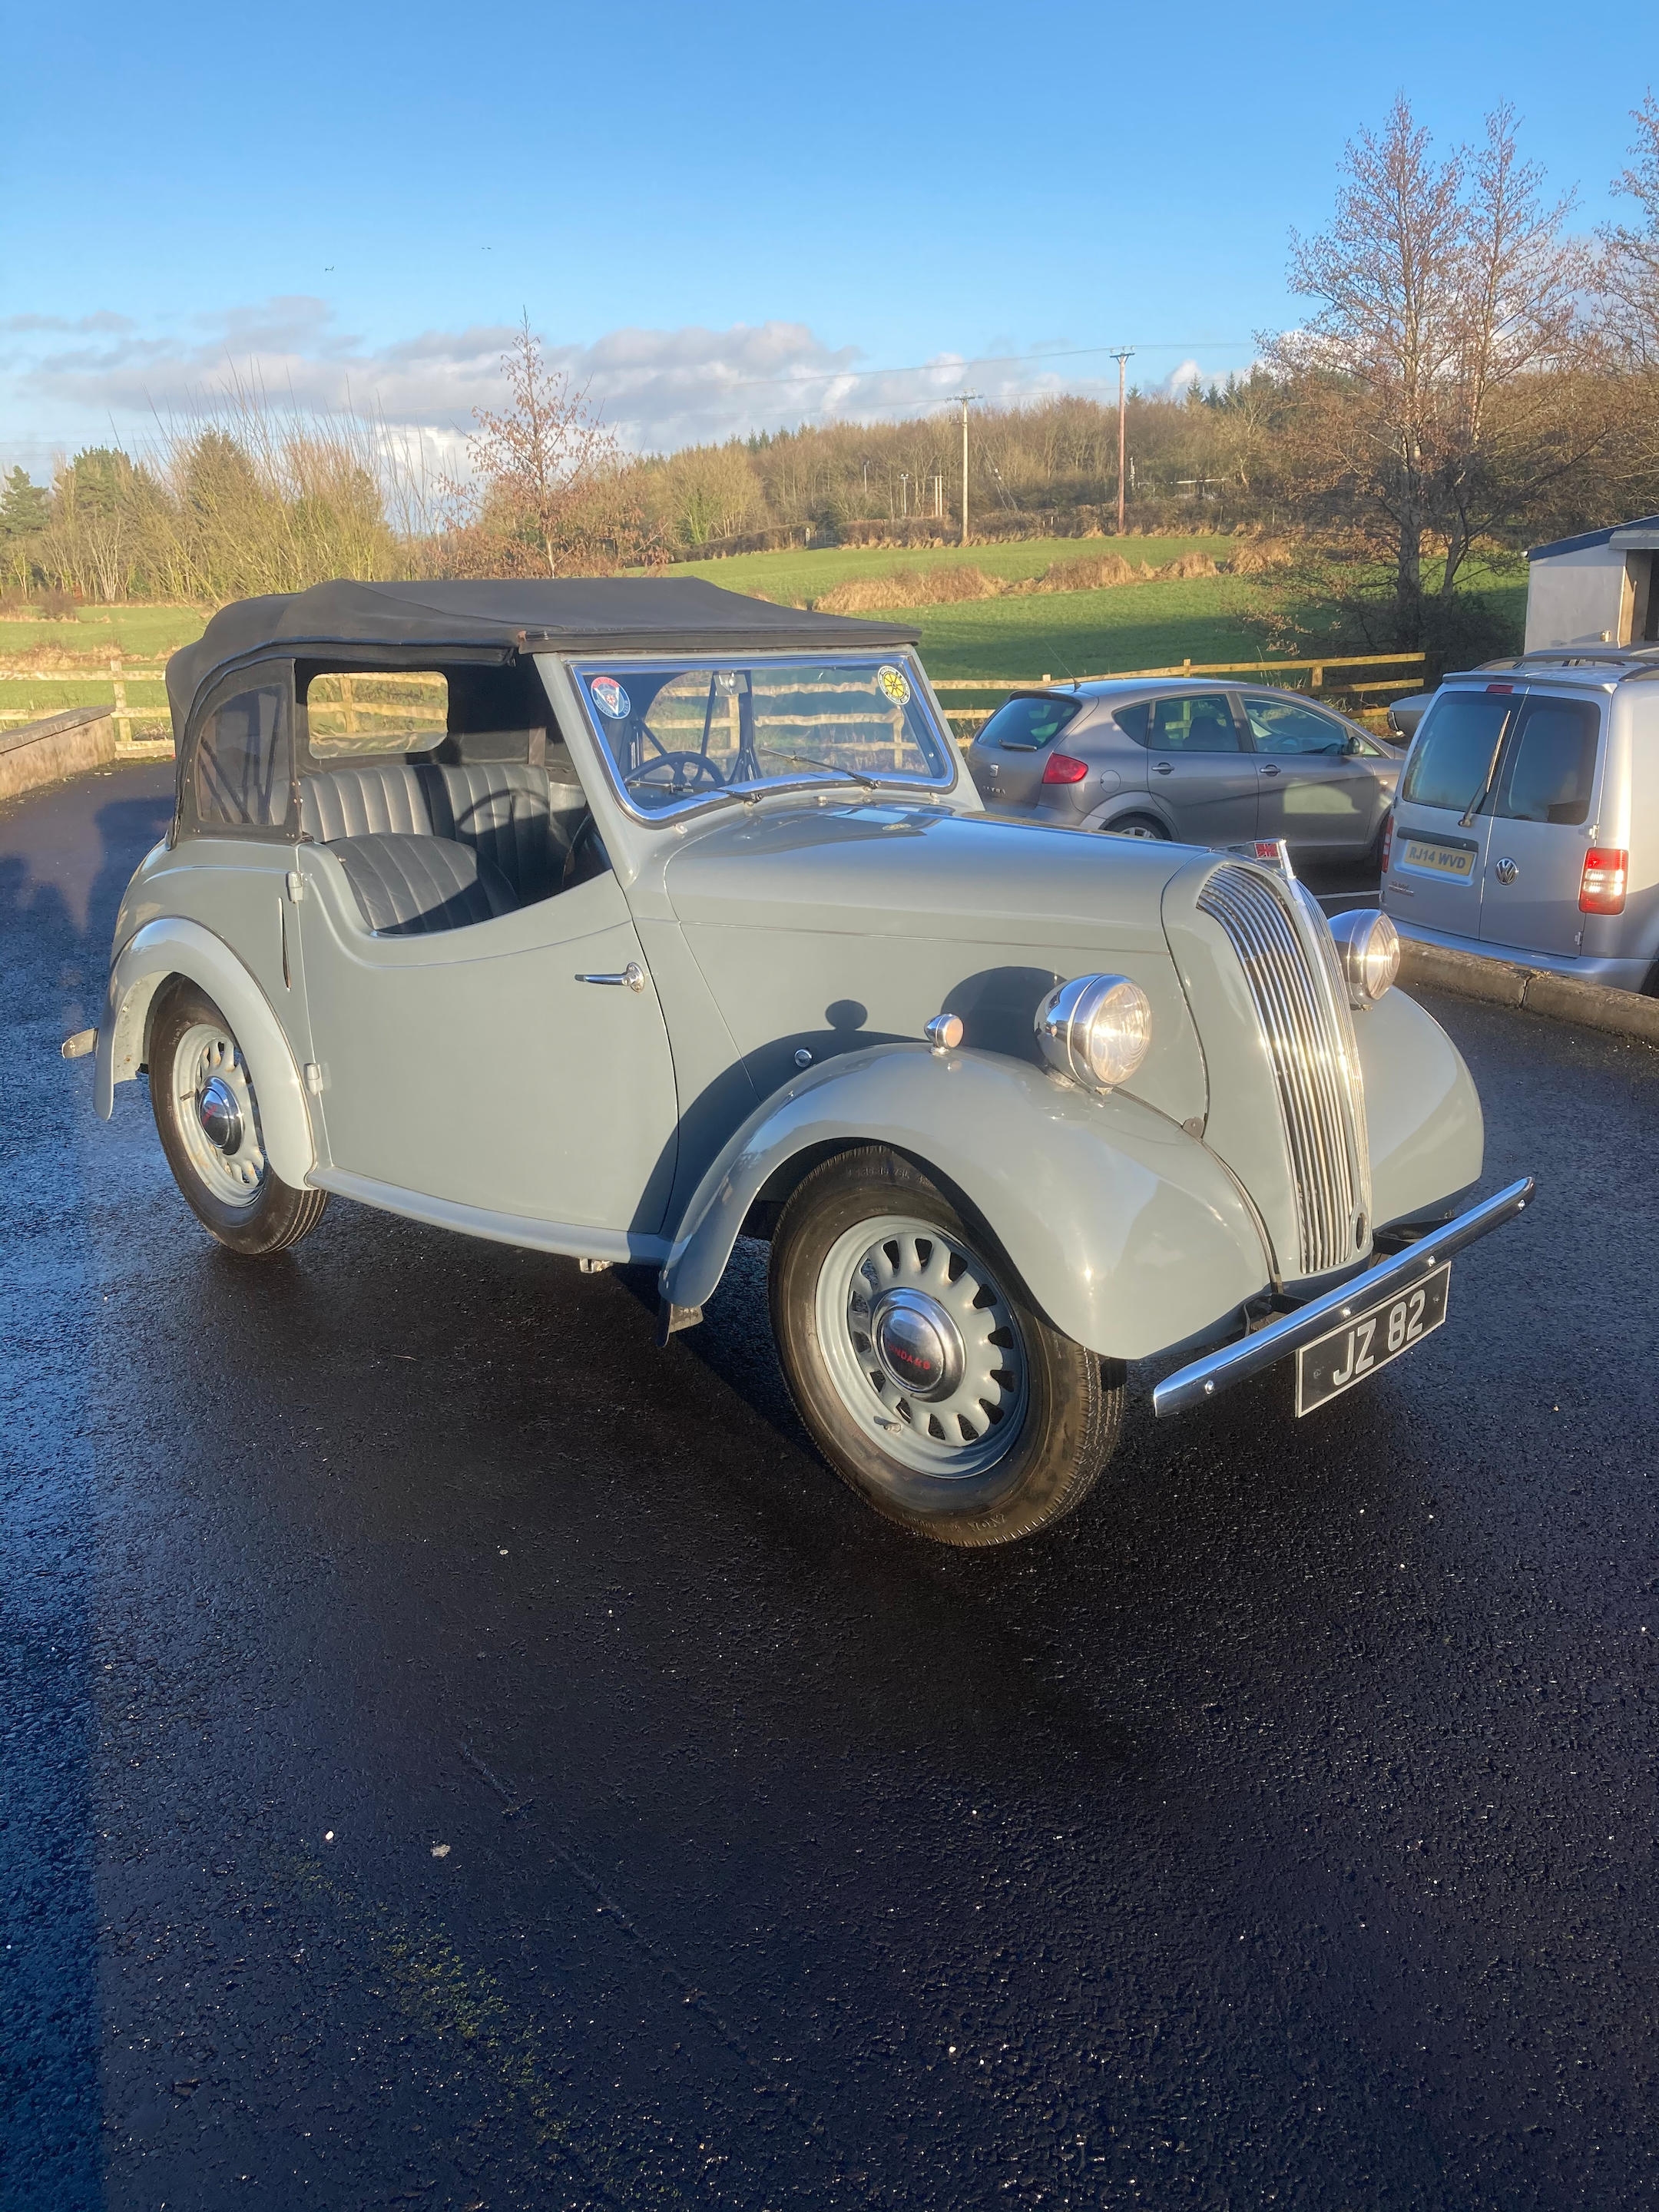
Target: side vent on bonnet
<point x="1295" y="986"/>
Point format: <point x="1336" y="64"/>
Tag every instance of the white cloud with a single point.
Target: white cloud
<point x="657" y="389"/>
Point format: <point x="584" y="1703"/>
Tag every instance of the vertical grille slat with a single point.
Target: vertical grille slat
<point x="1300" y="1004"/>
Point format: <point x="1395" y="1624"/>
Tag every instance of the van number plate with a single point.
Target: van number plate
<point x="1353" y="1353"/>
<point x="1434" y="859"/>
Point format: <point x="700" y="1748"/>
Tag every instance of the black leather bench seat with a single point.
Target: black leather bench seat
<point x="495" y="843"/>
<point x="409" y="886"/>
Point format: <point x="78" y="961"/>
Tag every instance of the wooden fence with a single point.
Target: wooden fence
<point x="148" y="675"/>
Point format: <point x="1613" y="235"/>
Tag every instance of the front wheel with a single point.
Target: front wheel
<point x="208" y="1120"/>
<point x="923" y="1373"/>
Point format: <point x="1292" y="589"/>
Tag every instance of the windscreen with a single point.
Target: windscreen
<point x="675" y="732"/>
<point x="1456" y="750"/>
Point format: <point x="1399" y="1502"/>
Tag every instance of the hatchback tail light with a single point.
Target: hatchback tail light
<point x="1606" y="872"/>
<point x="1388" y="841"/>
<point x="1062" y="768"/>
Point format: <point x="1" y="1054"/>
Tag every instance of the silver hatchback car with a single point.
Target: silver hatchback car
<point x="1197" y="763"/>
<point x="1528" y="824"/>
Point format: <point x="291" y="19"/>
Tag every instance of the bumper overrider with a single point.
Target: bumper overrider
<point x="1286" y="1333"/>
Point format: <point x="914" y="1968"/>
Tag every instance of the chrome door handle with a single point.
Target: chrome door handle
<point x="1268" y="768"/>
<point x="1164" y="769"/>
<point x="633" y="976"/>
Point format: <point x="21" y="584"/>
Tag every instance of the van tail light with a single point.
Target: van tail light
<point x="1388" y="841"/>
<point x="1062" y="768"/>
<point x="1606" y="873"/>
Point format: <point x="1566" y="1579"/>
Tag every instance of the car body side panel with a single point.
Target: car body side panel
<point x="174" y="946"/>
<point x="1127" y="1233"/>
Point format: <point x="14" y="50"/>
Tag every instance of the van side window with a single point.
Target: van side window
<point x="245" y="761"/>
<point x="1551" y="764"/>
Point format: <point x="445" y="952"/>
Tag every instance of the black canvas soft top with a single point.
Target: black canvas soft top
<point x="580" y="614"/>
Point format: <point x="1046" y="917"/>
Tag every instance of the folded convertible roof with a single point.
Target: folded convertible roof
<point x="579" y="614"/>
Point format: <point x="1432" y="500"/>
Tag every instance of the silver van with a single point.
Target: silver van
<point x="1527" y="825"/>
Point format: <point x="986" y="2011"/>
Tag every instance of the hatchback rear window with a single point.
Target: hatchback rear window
<point x="1550" y="762"/>
<point x="1028" y="723"/>
<point x="1452" y="760"/>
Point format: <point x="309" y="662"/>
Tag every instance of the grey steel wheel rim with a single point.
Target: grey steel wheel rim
<point x="218" y="1119"/>
<point x="1142" y="830"/>
<point x="895" y="1287"/>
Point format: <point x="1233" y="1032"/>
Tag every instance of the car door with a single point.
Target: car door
<point x="1200" y="767"/>
<point x="1437" y="870"/>
<point x="1317" y="792"/>
<point x="1013" y="749"/>
<point x="1541" y="801"/>
<point x="506" y="1067"/>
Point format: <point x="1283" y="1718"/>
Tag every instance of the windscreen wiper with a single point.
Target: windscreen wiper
<point x="831" y="767"/>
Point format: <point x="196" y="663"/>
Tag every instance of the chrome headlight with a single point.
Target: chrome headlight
<point x="1368" y="945"/>
<point x="1095" y="1029"/>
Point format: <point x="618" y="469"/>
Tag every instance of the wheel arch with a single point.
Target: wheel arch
<point x="1127" y="1235"/>
<point x="1123" y="805"/>
<point x="173" y="947"/>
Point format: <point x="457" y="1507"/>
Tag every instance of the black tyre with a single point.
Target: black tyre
<point x="1139" y="825"/>
<point x="920" y="1369"/>
<point x="208" y="1120"/>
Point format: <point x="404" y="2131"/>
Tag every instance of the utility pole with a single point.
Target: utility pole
<point x="904" y="494"/>
<point x="965" y="396"/>
<point x="1122" y="431"/>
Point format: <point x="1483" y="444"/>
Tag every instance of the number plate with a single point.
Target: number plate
<point x="1354" y="1352"/>
<point x="1432" y="857"/>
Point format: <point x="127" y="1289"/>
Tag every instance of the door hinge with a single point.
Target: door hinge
<point x="296" y="886"/>
<point x="316" y="1077"/>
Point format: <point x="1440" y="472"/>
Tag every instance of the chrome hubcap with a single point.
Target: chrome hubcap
<point x="922" y="1346"/>
<point x="221" y="1116"/>
<point x="219" y="1120"/>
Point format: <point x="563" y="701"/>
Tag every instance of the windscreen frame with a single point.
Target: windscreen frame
<point x="580" y="668"/>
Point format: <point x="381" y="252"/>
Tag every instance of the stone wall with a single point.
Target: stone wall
<point x="63" y="745"/>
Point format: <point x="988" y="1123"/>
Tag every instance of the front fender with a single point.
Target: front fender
<point x="1128" y="1235"/>
<point x="1422" y="1109"/>
<point x="175" y="947"/>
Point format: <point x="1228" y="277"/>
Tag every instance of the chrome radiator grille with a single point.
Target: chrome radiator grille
<point x="1301" y="1007"/>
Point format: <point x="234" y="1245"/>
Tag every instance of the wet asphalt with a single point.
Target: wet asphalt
<point x="456" y="1755"/>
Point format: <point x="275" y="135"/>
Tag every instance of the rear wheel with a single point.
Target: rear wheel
<point x="926" y="1379"/>
<point x="1139" y="825"/>
<point x="208" y="1119"/>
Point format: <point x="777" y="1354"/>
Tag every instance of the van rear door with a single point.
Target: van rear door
<point x="1437" y="868"/>
<point x="1541" y="803"/>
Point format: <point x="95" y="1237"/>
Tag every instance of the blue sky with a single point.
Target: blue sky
<point x="713" y="212"/>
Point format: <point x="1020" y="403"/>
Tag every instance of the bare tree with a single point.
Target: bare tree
<point x="1630" y="263"/>
<point x="1444" y="288"/>
<point x="544" y="466"/>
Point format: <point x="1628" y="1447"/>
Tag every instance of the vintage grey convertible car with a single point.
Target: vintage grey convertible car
<point x="622" y="918"/>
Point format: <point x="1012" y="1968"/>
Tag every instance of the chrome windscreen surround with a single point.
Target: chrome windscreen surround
<point x="1301" y="999"/>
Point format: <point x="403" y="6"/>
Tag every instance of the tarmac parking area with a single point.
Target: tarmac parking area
<point x="456" y="1755"/>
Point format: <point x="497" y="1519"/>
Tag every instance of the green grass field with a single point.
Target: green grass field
<point x="1063" y="633"/>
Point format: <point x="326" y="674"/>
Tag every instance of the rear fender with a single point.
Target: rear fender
<point x="173" y="947"/>
<point x="1128" y="1235"/>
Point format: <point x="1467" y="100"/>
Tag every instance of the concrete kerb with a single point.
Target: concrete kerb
<point x="1535" y="990"/>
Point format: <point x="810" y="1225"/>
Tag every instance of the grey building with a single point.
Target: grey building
<point x="1596" y="589"/>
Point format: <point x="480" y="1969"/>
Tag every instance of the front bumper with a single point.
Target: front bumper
<point x="1276" y="1339"/>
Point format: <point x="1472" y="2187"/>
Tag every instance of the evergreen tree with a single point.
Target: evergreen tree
<point x="25" y="508"/>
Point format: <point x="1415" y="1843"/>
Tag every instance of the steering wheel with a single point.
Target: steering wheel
<point x="697" y="764"/>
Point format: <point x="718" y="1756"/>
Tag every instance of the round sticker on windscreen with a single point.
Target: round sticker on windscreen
<point x="609" y="697"/>
<point x="895" y="683"/>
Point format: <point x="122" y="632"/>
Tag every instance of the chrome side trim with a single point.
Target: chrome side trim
<point x="1300" y="1001"/>
<point x="1217" y="1371"/>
